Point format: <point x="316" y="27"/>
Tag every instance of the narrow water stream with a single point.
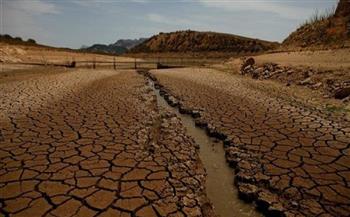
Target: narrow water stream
<point x="219" y="183"/>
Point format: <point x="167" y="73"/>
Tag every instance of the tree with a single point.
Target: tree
<point x="31" y="41"/>
<point x="18" y="39"/>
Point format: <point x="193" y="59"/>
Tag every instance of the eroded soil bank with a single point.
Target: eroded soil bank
<point x="291" y="160"/>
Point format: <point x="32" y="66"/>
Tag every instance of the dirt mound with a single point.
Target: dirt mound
<point x="193" y="41"/>
<point x="332" y="30"/>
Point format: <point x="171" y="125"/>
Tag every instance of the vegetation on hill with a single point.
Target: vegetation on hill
<point x="193" y="41"/>
<point x="332" y="28"/>
<point x="16" y="40"/>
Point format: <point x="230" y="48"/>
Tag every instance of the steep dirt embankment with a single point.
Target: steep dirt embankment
<point x="323" y="31"/>
<point x="192" y="41"/>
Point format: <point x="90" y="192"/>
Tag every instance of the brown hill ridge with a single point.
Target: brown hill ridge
<point x="193" y="41"/>
<point x="332" y="30"/>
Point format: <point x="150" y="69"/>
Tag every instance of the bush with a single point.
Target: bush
<point x="18" y="39"/>
<point x="31" y="41"/>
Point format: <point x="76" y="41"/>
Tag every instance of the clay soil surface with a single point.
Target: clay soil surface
<point x="94" y="143"/>
<point x="291" y="159"/>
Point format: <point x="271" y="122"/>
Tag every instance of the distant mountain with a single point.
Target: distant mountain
<point x="119" y="47"/>
<point x="129" y="43"/>
<point x="194" y="41"/>
<point x="105" y="49"/>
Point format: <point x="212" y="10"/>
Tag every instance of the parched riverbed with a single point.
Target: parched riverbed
<point x="290" y="159"/>
<point x="94" y="143"/>
<point x="105" y="143"/>
<point x="219" y="181"/>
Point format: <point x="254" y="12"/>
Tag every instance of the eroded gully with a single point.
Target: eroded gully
<point x="220" y="187"/>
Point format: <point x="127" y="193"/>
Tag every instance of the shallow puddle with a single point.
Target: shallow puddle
<point x="219" y="183"/>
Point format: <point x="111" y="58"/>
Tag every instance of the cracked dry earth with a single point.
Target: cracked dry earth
<point x="93" y="143"/>
<point x="290" y="160"/>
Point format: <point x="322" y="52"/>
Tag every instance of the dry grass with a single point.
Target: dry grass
<point x="319" y="16"/>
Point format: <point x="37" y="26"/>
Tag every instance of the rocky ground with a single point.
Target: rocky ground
<point x="318" y="78"/>
<point x="291" y="159"/>
<point x="331" y="83"/>
<point x="326" y="73"/>
<point x="94" y="143"/>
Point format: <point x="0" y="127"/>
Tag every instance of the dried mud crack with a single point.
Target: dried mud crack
<point x="289" y="160"/>
<point x="219" y="186"/>
<point x="93" y="143"/>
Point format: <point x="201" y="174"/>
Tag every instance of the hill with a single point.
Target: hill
<point x="119" y="47"/>
<point x="193" y="41"/>
<point x="331" y="29"/>
<point x="105" y="49"/>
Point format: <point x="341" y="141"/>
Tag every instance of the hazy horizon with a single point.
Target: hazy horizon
<point x="85" y="22"/>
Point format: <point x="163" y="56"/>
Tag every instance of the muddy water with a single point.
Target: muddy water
<point x="219" y="184"/>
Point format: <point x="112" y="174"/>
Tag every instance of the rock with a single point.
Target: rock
<point x="196" y="114"/>
<point x="244" y="177"/>
<point x="172" y="101"/>
<point x="342" y="93"/>
<point x="259" y="70"/>
<point x="307" y="81"/>
<point x="316" y="86"/>
<point x="162" y="93"/>
<point x="247" y="192"/>
<point x="249" y="62"/>
<point x="279" y="71"/>
<point x="294" y="204"/>
<point x="200" y="123"/>
<point x="261" y="179"/>
<point x="184" y="110"/>
<point x="265" y="200"/>
<point x="232" y="159"/>
<point x="247" y="66"/>
<point x="276" y="210"/>
<point x="346" y="100"/>
<point x="255" y="74"/>
<point x="290" y="71"/>
<point x="213" y="132"/>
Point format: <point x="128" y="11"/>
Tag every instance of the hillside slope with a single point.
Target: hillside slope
<point x="193" y="41"/>
<point x="331" y="30"/>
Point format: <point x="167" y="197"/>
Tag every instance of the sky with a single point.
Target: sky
<point x="73" y="23"/>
